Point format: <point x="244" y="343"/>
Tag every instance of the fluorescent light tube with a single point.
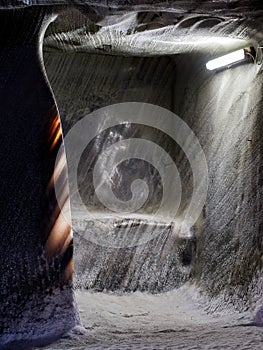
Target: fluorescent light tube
<point x="226" y="60"/>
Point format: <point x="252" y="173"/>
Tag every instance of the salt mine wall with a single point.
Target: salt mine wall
<point x="225" y="110"/>
<point x="35" y="281"/>
<point x="88" y="83"/>
<point x="48" y="84"/>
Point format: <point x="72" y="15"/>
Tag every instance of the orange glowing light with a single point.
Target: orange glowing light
<point x="55" y="124"/>
<point x="55" y="132"/>
<point x="56" y="139"/>
<point x="59" y="237"/>
<point x="58" y="229"/>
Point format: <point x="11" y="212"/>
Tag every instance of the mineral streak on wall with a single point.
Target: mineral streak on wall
<point x="58" y="236"/>
<point x="36" y="244"/>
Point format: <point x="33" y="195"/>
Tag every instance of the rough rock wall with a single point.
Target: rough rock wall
<point x="91" y="82"/>
<point x="16" y="210"/>
<point x="225" y="110"/>
<point x="232" y="7"/>
<point x="36" y="300"/>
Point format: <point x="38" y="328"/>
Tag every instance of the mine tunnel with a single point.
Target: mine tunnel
<point x="134" y="129"/>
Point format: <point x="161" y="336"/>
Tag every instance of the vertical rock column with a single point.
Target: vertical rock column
<point x="36" y="299"/>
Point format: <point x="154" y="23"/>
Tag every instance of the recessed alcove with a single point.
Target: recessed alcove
<point x="149" y="65"/>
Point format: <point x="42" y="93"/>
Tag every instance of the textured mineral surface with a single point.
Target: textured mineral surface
<point x="140" y="281"/>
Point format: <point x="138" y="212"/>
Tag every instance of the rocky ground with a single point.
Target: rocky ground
<point x="173" y="320"/>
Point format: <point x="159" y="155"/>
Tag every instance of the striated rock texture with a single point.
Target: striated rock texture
<point x="100" y="53"/>
<point x="89" y="84"/>
<point x="35" y="286"/>
<point x="149" y="32"/>
<point x="222" y="108"/>
<point x="225" y="110"/>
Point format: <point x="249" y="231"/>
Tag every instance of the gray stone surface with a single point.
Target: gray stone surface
<point x="224" y="111"/>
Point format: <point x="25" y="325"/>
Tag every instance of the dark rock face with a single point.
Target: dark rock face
<point x="34" y="293"/>
<point x="232" y="7"/>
